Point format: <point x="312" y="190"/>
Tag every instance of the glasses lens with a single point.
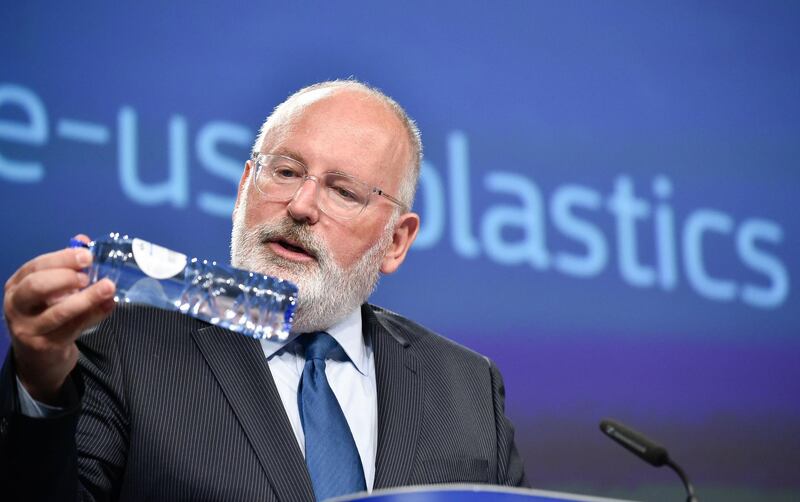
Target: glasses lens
<point x="344" y="197"/>
<point x="279" y="177"/>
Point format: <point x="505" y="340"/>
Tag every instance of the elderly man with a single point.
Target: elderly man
<point x="150" y="404"/>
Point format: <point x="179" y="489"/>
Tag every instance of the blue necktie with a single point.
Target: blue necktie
<point x="331" y="453"/>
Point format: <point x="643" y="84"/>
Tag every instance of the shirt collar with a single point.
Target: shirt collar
<point x="348" y="332"/>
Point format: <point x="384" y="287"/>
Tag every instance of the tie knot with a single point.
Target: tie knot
<point x="319" y="345"/>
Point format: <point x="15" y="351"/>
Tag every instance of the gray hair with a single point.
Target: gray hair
<point x="408" y="185"/>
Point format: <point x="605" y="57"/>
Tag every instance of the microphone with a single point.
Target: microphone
<point x="649" y="451"/>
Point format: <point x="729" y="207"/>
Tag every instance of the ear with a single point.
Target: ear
<point x="240" y="194"/>
<point x="405" y="231"/>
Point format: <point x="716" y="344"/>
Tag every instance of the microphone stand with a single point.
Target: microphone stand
<point x="644" y="448"/>
<point x="690" y="496"/>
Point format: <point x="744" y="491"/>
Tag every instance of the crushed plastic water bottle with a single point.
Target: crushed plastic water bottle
<point x="245" y="302"/>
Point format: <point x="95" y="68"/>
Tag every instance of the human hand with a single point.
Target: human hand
<point x="46" y="308"/>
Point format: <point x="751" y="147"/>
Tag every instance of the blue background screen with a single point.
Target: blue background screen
<point x="608" y="194"/>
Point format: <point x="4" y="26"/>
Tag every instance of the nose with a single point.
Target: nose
<point x="303" y="206"/>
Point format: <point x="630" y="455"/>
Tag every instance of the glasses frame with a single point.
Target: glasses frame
<point x="257" y="157"/>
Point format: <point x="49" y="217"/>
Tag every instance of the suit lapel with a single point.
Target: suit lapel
<point x="242" y="371"/>
<point x="399" y="382"/>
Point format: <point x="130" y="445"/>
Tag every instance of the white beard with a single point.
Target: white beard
<point x="327" y="292"/>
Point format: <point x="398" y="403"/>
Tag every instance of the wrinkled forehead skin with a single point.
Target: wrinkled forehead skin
<point x="354" y="129"/>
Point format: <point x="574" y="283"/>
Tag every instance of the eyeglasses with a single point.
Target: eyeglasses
<point x="344" y="197"/>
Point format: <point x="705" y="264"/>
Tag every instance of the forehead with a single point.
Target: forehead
<point x="341" y="130"/>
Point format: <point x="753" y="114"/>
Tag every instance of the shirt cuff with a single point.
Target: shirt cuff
<point x="30" y="407"/>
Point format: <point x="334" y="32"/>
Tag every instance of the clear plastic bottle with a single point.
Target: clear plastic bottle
<point x="253" y="304"/>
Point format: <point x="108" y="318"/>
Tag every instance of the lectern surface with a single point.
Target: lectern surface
<point x="469" y="493"/>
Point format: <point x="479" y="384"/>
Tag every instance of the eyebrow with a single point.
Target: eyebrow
<point x="285" y="152"/>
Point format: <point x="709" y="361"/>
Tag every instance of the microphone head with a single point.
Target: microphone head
<point x="635" y="442"/>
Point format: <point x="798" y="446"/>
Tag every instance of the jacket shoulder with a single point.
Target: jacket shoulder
<point x="424" y="340"/>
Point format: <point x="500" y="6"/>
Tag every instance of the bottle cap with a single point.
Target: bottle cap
<point x="75" y="243"/>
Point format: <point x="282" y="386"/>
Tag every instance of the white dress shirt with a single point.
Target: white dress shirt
<point x="353" y="383"/>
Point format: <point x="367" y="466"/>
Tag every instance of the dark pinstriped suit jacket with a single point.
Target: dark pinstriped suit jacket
<point x="176" y="409"/>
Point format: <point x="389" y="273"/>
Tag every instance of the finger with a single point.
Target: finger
<point x="75" y="306"/>
<point x="39" y="289"/>
<point x="75" y="259"/>
<point x="69" y="332"/>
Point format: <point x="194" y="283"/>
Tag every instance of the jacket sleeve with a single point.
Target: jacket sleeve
<point x="510" y="468"/>
<point x="78" y="454"/>
<point x="38" y="457"/>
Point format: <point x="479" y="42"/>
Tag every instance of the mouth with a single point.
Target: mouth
<point x="290" y="250"/>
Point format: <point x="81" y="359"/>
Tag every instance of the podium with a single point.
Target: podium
<point x="468" y="493"/>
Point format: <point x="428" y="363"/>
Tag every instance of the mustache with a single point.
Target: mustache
<point x="289" y="230"/>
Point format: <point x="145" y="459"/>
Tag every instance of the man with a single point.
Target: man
<point x="155" y="405"/>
